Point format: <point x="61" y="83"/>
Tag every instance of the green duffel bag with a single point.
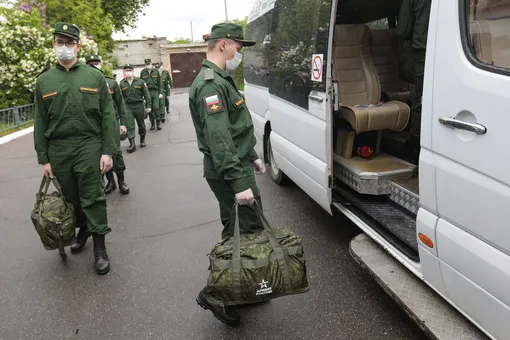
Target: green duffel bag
<point x="53" y="218"/>
<point x="251" y="268"/>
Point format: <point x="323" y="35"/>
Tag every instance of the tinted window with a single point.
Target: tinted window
<point x="488" y="31"/>
<point x="256" y="70"/>
<point x="300" y="29"/>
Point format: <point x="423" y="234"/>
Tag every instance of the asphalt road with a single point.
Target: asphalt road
<point x="161" y="234"/>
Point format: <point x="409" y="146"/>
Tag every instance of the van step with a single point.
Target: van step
<point x="438" y="319"/>
<point x="371" y="176"/>
<point x="405" y="193"/>
<point x="398" y="222"/>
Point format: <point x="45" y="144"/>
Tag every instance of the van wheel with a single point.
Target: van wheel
<point x="276" y="174"/>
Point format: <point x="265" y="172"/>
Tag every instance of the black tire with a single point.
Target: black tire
<point x="274" y="171"/>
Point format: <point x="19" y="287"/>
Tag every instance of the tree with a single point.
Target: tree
<point x="124" y="13"/>
<point x="238" y="75"/>
<point x="181" y="41"/>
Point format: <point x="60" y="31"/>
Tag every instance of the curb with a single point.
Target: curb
<point x="17" y="134"/>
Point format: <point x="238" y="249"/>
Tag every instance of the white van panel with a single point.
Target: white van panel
<point x="257" y="99"/>
<point x="476" y="202"/>
<point x="427" y="180"/>
<point x="296" y="124"/>
<point x="475" y="259"/>
<point x="298" y="164"/>
<point x="484" y="310"/>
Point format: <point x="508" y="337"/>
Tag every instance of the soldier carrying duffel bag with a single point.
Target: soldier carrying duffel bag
<point x="255" y="267"/>
<point x="53" y="218"/>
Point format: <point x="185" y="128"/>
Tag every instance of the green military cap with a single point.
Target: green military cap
<point x="69" y="30"/>
<point x="157" y="65"/>
<point x="92" y="57"/>
<point x="229" y="30"/>
<point x="148" y="60"/>
<point x="128" y="66"/>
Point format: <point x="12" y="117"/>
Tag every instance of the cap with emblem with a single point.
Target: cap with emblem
<point x="232" y="31"/>
<point x="148" y="61"/>
<point x="92" y="57"/>
<point x="69" y="30"/>
<point x="128" y="66"/>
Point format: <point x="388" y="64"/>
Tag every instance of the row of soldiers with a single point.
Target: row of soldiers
<point x="133" y="100"/>
<point x="80" y="116"/>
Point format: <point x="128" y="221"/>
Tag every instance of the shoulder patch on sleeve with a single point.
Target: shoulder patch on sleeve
<point x="213" y="104"/>
<point x="239" y="102"/>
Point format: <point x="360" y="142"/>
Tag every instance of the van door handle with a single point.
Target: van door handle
<point x="453" y="123"/>
<point x="318" y="99"/>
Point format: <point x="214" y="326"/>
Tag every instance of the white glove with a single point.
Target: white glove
<point x="160" y="96"/>
<point x="123" y="130"/>
<point x="259" y="167"/>
<point x="245" y="197"/>
<point x="148" y="110"/>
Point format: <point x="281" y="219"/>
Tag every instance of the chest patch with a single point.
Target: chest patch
<point x="91" y="90"/>
<point x="213" y="104"/>
<point x="124" y="88"/>
<point x="239" y="102"/>
<point x="138" y="87"/>
<point x="145" y="77"/>
<point x="49" y="95"/>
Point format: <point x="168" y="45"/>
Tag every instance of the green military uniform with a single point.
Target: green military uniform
<point x="152" y="78"/>
<point x="224" y="131"/>
<point x="167" y="85"/>
<point x="74" y="126"/>
<point x="134" y="96"/>
<point x="413" y="25"/>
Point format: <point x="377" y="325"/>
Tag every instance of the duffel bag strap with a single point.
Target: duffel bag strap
<point x="277" y="248"/>
<point x="236" y="257"/>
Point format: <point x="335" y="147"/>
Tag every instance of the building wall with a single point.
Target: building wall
<point x="136" y="51"/>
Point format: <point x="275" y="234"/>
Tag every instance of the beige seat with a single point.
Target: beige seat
<point x="360" y="90"/>
<point x="384" y="50"/>
<point x="490" y="32"/>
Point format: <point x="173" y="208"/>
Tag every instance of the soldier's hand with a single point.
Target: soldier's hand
<point x="106" y="163"/>
<point x="123" y="130"/>
<point x="259" y="166"/>
<point x="148" y="110"/>
<point x="47" y="170"/>
<point x="245" y="197"/>
<point x="160" y="96"/>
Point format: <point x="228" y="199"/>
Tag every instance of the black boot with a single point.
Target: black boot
<point x="153" y="127"/>
<point x="110" y="186"/>
<point x="158" y="122"/>
<point x="162" y="120"/>
<point x="132" y="145"/>
<point x="102" y="263"/>
<point x="81" y="240"/>
<point x="223" y="313"/>
<point x="142" y="141"/>
<point x="124" y="189"/>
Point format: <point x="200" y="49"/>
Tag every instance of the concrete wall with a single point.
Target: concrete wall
<point x="135" y="51"/>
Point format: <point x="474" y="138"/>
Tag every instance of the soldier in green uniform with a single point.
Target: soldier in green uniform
<point x="167" y="86"/>
<point x="75" y="136"/>
<point x="225" y="136"/>
<point x="153" y="80"/>
<point x="413" y="25"/>
<point x="157" y="66"/>
<point x="119" y="166"/>
<point x="135" y="90"/>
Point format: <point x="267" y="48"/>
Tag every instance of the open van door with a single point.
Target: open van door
<point x="300" y="114"/>
<point x="471" y="150"/>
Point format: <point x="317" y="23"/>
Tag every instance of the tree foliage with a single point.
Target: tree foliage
<point x="124" y="13"/>
<point x="238" y="75"/>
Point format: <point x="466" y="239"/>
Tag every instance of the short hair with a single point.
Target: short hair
<point x="211" y="44"/>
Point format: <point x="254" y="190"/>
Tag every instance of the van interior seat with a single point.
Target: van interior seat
<point x="490" y="32"/>
<point x="384" y="50"/>
<point x="359" y="87"/>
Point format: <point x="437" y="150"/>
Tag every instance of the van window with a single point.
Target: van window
<point x="488" y="31"/>
<point x="300" y="28"/>
<point x="256" y="68"/>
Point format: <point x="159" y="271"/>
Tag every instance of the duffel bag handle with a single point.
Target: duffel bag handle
<point x="45" y="184"/>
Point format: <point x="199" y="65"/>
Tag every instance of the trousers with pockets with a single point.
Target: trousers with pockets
<point x="249" y="221"/>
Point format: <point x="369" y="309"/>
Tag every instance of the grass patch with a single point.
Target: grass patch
<point x="14" y="129"/>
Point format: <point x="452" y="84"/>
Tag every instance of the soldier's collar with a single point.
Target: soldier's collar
<point x="76" y="64"/>
<point x="216" y="69"/>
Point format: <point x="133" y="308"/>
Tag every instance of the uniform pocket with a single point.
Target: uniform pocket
<point x="90" y="99"/>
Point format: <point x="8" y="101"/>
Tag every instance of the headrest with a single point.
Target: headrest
<point x="492" y="9"/>
<point x="352" y="35"/>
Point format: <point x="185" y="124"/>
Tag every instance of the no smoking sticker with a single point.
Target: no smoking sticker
<point x="317" y="67"/>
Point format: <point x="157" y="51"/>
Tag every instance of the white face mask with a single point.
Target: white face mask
<point x="98" y="66"/>
<point x="129" y="74"/>
<point x="65" y="53"/>
<point x="233" y="63"/>
<point x="149" y="67"/>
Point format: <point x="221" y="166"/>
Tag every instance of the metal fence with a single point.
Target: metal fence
<point x="15" y="117"/>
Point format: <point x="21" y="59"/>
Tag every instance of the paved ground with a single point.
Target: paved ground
<point x="161" y="234"/>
